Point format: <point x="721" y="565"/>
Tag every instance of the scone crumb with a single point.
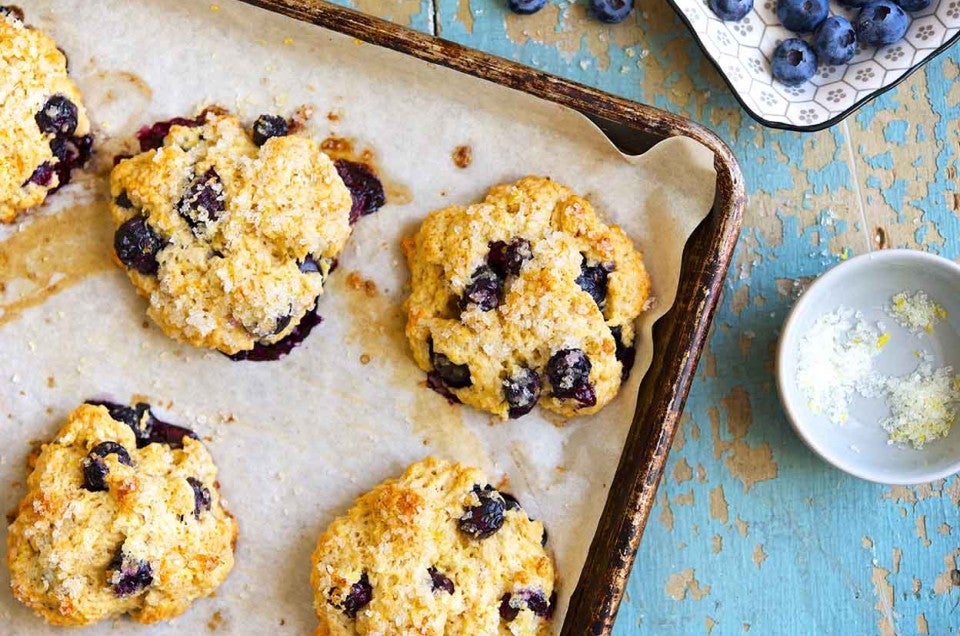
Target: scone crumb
<point x="462" y="156"/>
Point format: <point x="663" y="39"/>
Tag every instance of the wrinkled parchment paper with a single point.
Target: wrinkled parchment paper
<point x="297" y="440"/>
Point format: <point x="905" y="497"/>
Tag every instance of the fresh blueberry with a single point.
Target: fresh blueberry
<point x="522" y="391"/>
<point x="455" y="376"/>
<point x="835" y="41"/>
<point x="366" y="191"/>
<point x="95" y="469"/>
<point x="440" y="582"/>
<point x="794" y="62"/>
<point x="627" y="355"/>
<point x="201" y="496"/>
<point x="511" y="604"/>
<point x="359" y="596"/>
<point x="506" y="259"/>
<point x="151" y="137"/>
<point x="855" y="4"/>
<point x="204" y="200"/>
<point x="58" y="116"/>
<point x="484" y="519"/>
<point x="611" y="11"/>
<point x="881" y="23"/>
<point x="127" y="575"/>
<point x="268" y="126"/>
<point x="137" y="245"/>
<point x="730" y="10"/>
<point x="525" y="7"/>
<point x="569" y="372"/>
<point x="484" y="291"/>
<point x="123" y="201"/>
<point x="914" y="5"/>
<point x="263" y="352"/>
<point x="593" y="280"/>
<point x="802" y="16"/>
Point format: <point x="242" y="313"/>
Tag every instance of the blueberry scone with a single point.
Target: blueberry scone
<point x="229" y="234"/>
<point x="437" y="551"/>
<point x="122" y="516"/>
<point x="44" y="131"/>
<point x="522" y="298"/>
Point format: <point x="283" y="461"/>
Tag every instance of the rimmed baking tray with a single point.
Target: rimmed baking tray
<point x="679" y="336"/>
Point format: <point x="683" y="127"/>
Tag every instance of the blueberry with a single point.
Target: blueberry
<point x="146" y="427"/>
<point x="484" y="519"/>
<point x="611" y="11"/>
<point x="802" y="16"/>
<point x="123" y="201"/>
<point x="151" y="137"/>
<point x="263" y="352"/>
<point x="71" y="152"/>
<point x="569" y="373"/>
<point x="42" y="176"/>
<point x="127" y="575"/>
<point x="506" y="259"/>
<point x="359" y="596"/>
<point x="881" y="23"/>
<point x="309" y="265"/>
<point x="835" y="41"/>
<point x="366" y="191"/>
<point x="95" y="469"/>
<point x="730" y="10"/>
<point x="137" y="245"/>
<point x="627" y="355"/>
<point x="593" y="280"/>
<point x="914" y="5"/>
<point x="455" y="376"/>
<point x="525" y="7"/>
<point x="201" y="496"/>
<point x="794" y="62"/>
<point x="855" y="4"/>
<point x="12" y="11"/>
<point x="510" y="502"/>
<point x="484" y="291"/>
<point x="268" y="126"/>
<point x="522" y="390"/>
<point x="204" y="200"/>
<point x="58" y="116"/>
<point x="440" y="582"/>
<point x="435" y="382"/>
<point x="511" y="604"/>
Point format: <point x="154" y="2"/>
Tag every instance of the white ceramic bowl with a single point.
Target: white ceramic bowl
<point x="867" y="283"/>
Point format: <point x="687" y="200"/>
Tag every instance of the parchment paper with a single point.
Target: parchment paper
<point x="298" y="440"/>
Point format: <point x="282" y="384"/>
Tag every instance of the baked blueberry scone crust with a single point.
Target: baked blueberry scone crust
<point x="122" y="515"/>
<point x="437" y="551"/>
<point x="228" y="234"/>
<point x="44" y="131"/>
<point x="522" y="298"/>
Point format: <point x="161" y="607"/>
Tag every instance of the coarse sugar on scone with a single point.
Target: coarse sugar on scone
<point x="436" y="551"/>
<point x="44" y="130"/>
<point x="229" y="241"/>
<point x="122" y="515"/>
<point x="526" y="297"/>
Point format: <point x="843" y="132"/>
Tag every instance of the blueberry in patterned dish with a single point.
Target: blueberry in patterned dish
<point x="44" y="130"/>
<point x="742" y="50"/>
<point x="231" y="232"/>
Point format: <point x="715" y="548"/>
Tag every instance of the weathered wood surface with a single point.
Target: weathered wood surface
<point x="752" y="533"/>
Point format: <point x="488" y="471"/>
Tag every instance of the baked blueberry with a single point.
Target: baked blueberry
<point x="12" y="11"/>
<point x="201" y="496"/>
<point x="455" y="376"/>
<point x="525" y="7"/>
<point x="506" y="259"/>
<point x="484" y="291"/>
<point x="569" y="373"/>
<point x="511" y="604"/>
<point x="611" y="11"/>
<point x="880" y="23"/>
<point x="802" y="16"/>
<point x="794" y="62"/>
<point x="128" y="575"/>
<point x="266" y="352"/>
<point x="137" y="245"/>
<point x="510" y="502"/>
<point x="42" y="175"/>
<point x="71" y="153"/>
<point x="309" y="265"/>
<point x="268" y="126"/>
<point x="435" y="382"/>
<point x="58" y="116"/>
<point x="123" y="201"/>
<point x="365" y="188"/>
<point x="95" y="469"/>
<point x="730" y="10"/>
<point x="151" y="137"/>
<point x="593" y="280"/>
<point x="835" y="41"/>
<point x="440" y="582"/>
<point x="627" y="355"/>
<point x="204" y="200"/>
<point x="485" y="518"/>
<point x="359" y="596"/>
<point x="522" y="391"/>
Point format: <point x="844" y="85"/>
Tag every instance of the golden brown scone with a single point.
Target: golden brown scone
<point x="119" y="522"/>
<point x="44" y="131"/>
<point x="229" y="241"/>
<point x="437" y="551"/>
<point x="524" y="297"/>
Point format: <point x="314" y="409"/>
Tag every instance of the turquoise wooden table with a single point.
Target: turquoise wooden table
<point x="752" y="532"/>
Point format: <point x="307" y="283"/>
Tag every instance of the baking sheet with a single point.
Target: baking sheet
<point x="297" y="440"/>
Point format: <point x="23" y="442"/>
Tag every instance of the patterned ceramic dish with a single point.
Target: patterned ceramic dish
<point x="741" y="52"/>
